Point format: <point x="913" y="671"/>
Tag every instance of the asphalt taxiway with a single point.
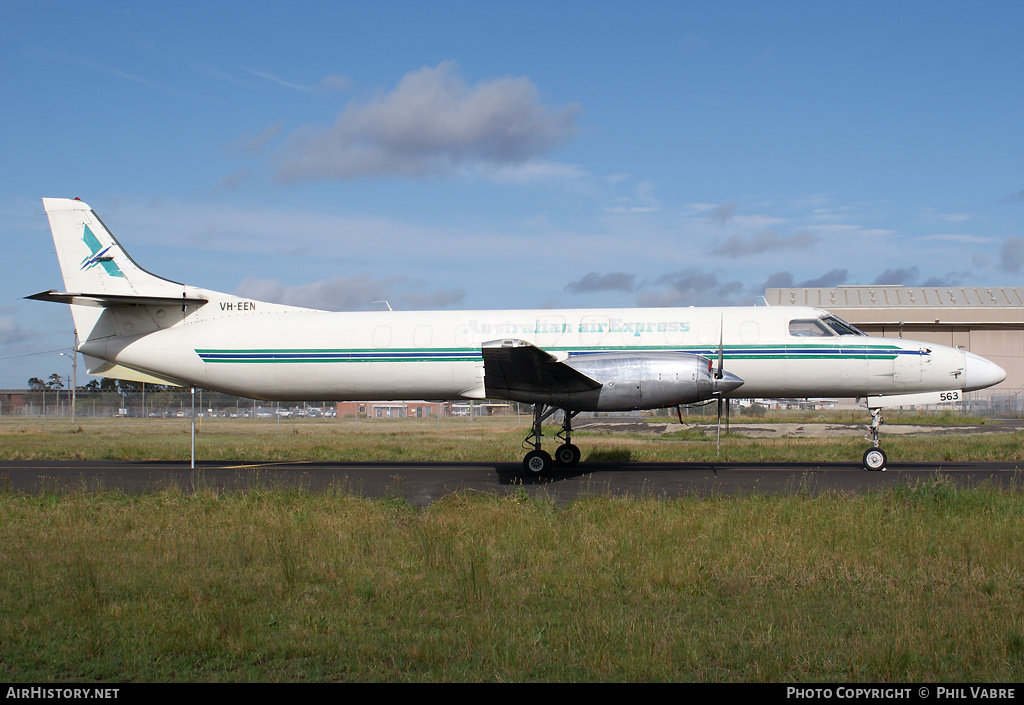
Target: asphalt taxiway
<point x="421" y="483"/>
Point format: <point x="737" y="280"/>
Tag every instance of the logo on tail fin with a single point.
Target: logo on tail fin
<point x="99" y="255"/>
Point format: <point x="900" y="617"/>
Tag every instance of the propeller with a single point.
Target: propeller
<point x="724" y="382"/>
<point x="718" y="375"/>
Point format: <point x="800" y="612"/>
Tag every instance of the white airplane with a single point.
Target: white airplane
<point x="136" y="326"/>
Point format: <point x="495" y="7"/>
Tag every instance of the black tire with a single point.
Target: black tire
<point x="537" y="463"/>
<point x="567" y="454"/>
<point x="874" y="459"/>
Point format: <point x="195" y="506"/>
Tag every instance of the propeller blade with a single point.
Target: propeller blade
<point x="721" y="340"/>
<point x="720" y="374"/>
<point x="718" y="442"/>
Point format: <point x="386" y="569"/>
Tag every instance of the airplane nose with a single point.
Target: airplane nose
<point x="980" y="373"/>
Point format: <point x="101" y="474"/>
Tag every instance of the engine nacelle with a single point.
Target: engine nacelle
<point x="648" y="380"/>
<point x="601" y="381"/>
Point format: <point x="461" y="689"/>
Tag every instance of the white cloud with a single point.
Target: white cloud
<point x="12" y="333"/>
<point x="531" y="172"/>
<point x="967" y="239"/>
<point x="1011" y="255"/>
<point x="642" y="200"/>
<point x="334" y="82"/>
<point x="248" y="143"/>
<point x="328" y="84"/>
<point x="764" y="241"/>
<point x="692" y="287"/>
<point x="592" y="282"/>
<point x="356" y="293"/>
<point x="430" y="123"/>
<point x="786" y="280"/>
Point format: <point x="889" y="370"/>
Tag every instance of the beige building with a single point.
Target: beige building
<point x="988" y="321"/>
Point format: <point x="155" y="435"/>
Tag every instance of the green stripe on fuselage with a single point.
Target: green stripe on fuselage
<point x="734" y="352"/>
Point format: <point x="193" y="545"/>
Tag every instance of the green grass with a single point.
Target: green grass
<point x="922" y="584"/>
<point x="479" y="440"/>
<point x="707" y="413"/>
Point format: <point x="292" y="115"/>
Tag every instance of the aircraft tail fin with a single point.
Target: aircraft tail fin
<point x="92" y="260"/>
<point x="97" y="272"/>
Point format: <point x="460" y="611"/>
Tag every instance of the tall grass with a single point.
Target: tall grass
<point x="925" y="583"/>
<point x="921" y="583"/>
<point x="478" y="440"/>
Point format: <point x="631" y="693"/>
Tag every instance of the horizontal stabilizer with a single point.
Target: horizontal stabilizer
<point x="513" y="368"/>
<point x="104" y="300"/>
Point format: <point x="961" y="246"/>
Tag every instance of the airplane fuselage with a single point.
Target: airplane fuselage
<point x="274" y="352"/>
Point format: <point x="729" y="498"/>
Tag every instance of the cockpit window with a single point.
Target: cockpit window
<point x="840" y="326"/>
<point x="821" y="327"/>
<point x="809" y="328"/>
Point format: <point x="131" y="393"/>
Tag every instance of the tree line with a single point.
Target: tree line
<point x="56" y="382"/>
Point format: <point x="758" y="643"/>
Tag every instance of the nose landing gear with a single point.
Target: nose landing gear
<point x="874" y="457"/>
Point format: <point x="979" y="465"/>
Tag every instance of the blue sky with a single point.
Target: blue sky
<point x="511" y="154"/>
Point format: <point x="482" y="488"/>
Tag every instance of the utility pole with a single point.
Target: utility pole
<point x="74" y="375"/>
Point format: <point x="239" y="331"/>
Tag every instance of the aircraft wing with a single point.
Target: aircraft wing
<point x="514" y="367"/>
<point x="104" y="300"/>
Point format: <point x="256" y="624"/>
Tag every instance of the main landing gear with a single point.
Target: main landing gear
<point x="874" y="457"/>
<point x="537" y="462"/>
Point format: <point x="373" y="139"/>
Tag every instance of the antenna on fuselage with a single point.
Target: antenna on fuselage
<point x="385" y="303"/>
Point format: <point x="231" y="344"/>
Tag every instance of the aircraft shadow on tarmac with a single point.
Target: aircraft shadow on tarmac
<point x="513" y="473"/>
<point x="837" y="475"/>
<point x="597" y="461"/>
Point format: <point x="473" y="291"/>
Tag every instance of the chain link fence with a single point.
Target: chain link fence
<point x="178" y="403"/>
<point x="158" y="404"/>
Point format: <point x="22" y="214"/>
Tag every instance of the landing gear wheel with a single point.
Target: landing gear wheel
<point x="567" y="454"/>
<point x="874" y="459"/>
<point x="537" y="463"/>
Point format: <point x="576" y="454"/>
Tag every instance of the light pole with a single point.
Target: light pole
<point x="74" y="376"/>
